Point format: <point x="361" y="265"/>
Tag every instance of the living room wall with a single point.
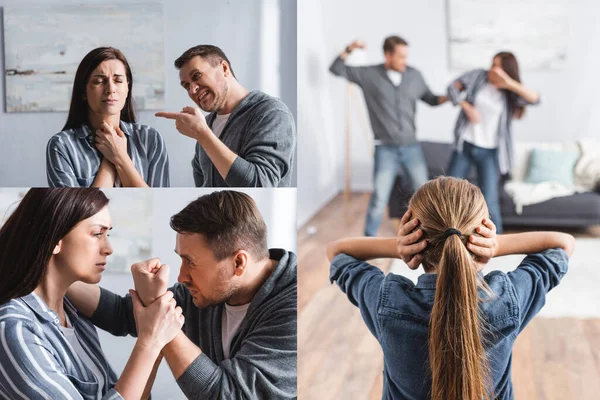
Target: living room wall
<point x="566" y="111"/>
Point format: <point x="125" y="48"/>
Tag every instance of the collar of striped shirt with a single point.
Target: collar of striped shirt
<point x="40" y="308"/>
<point x="86" y="130"/>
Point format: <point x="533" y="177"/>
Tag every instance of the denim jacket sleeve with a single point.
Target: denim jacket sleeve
<point x="362" y="283"/>
<point x="534" y="277"/>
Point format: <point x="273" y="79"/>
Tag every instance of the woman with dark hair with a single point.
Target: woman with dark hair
<point x="54" y="238"/>
<point x="450" y="335"/>
<point x="483" y="130"/>
<point x="101" y="145"/>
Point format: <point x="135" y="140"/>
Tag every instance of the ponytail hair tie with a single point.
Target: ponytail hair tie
<point x="450" y="232"/>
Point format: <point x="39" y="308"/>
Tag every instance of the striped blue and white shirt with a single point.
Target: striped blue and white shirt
<point x="37" y="361"/>
<point x="72" y="159"/>
<point x="472" y="82"/>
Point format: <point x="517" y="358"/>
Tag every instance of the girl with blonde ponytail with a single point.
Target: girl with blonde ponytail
<point x="450" y="336"/>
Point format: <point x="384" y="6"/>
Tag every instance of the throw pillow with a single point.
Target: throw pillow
<point x="551" y="165"/>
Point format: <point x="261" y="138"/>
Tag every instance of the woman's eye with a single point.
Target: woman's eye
<point x="98" y="234"/>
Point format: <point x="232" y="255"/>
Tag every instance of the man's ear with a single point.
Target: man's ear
<point x="226" y="68"/>
<point x="57" y="247"/>
<point x="240" y="260"/>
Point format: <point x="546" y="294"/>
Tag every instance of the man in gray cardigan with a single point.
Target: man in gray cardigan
<point x="247" y="140"/>
<point x="391" y="91"/>
<point x="237" y="296"/>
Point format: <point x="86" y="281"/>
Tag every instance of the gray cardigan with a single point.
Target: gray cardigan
<point x="262" y="132"/>
<point x="391" y="108"/>
<point x="262" y="359"/>
<point x="472" y="82"/>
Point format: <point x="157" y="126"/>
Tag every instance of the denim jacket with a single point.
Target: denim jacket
<point x="397" y="313"/>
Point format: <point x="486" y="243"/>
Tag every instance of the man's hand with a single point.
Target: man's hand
<point x="484" y="247"/>
<point x="151" y="279"/>
<point x="357" y="44"/>
<point x="471" y="112"/>
<point x="111" y="142"/>
<point x="406" y="241"/>
<point x="190" y="121"/>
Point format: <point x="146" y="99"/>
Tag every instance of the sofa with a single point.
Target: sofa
<point x="574" y="211"/>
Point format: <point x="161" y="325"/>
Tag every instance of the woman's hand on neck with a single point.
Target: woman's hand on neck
<point x="96" y="120"/>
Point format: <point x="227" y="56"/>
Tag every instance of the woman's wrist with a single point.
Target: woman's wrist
<point x="121" y="160"/>
<point x="513" y="85"/>
<point x="149" y="345"/>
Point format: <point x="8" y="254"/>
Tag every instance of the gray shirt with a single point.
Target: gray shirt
<point x="262" y="132"/>
<point x="262" y="358"/>
<point x="391" y="108"/>
<point x="72" y="158"/>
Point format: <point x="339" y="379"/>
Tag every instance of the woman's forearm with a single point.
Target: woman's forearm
<point x="534" y="242"/>
<point x="530" y="95"/>
<point x="137" y="371"/>
<point x="106" y="175"/>
<point x="129" y="176"/>
<point x="364" y="248"/>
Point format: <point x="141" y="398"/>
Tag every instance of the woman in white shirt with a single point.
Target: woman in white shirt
<point x="483" y="130"/>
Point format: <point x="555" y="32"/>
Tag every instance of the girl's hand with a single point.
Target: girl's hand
<point x="407" y="241"/>
<point x="484" y="247"/>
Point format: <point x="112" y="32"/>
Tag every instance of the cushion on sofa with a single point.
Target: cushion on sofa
<point x="551" y="165"/>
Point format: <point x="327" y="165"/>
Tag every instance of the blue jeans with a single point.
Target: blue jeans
<point x="388" y="161"/>
<point x="488" y="175"/>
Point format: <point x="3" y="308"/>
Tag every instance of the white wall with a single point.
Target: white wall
<point x="232" y="25"/>
<point x="326" y="27"/>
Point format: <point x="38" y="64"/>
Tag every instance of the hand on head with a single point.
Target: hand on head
<point x="158" y="323"/>
<point x="190" y="121"/>
<point x="410" y="245"/>
<point x="484" y="246"/>
<point x="499" y="78"/>
<point x="407" y="241"/>
<point x="111" y="142"/>
<point x="151" y="279"/>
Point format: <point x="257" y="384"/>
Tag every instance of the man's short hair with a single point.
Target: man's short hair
<point x="229" y="220"/>
<point x="210" y="53"/>
<point x="390" y="43"/>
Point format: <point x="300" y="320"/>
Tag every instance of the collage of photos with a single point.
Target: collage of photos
<point x="283" y="199"/>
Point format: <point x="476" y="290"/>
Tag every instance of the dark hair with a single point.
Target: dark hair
<point x="229" y="221"/>
<point x="511" y="67"/>
<point x="78" y="110"/>
<point x="390" y="43"/>
<point x="27" y="239"/>
<point x="210" y="53"/>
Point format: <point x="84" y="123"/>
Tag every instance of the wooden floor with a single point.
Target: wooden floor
<point x="338" y="358"/>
